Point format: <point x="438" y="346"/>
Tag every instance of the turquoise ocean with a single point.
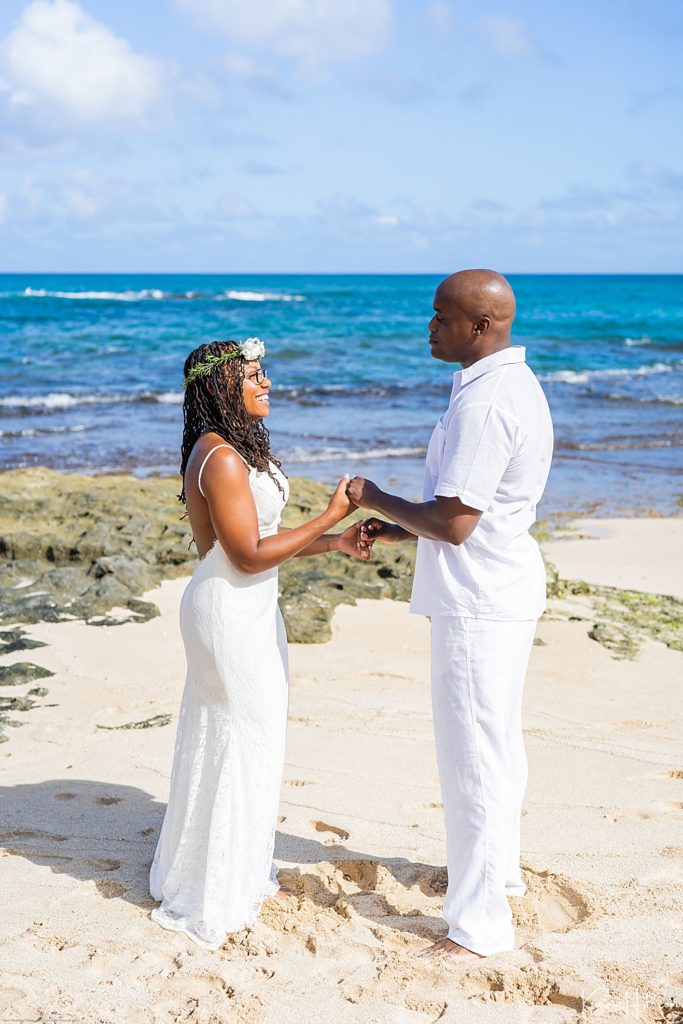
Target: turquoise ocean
<point x="91" y="374"/>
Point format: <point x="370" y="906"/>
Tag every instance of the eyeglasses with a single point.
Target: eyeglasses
<point x="258" y="376"/>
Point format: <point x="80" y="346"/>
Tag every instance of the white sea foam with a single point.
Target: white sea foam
<point x="648" y="399"/>
<point x="238" y="296"/>
<point x="637" y="342"/>
<point x="127" y="296"/>
<point x="169" y="397"/>
<point x="55" y="400"/>
<point x="634" y="445"/>
<point x="295" y="392"/>
<point x="34" y="432"/>
<point x="584" y="376"/>
<point x="566" y="376"/>
<point x="335" y="454"/>
<point x="143" y="294"/>
<point x="58" y="400"/>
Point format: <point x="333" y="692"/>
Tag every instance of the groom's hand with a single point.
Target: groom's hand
<point x="351" y="543"/>
<point x="362" y="492"/>
<point x="372" y="530"/>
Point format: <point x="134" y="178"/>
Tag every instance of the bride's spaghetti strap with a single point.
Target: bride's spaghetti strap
<point x="208" y="456"/>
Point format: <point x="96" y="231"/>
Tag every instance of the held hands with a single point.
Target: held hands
<point x="340" y="504"/>
<point x="377" y="530"/>
<point x="350" y="543"/>
<point x="357" y="540"/>
<point x="362" y="492"/>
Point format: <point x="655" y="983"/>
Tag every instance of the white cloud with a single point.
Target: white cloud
<point x="314" y="32"/>
<point x="90" y="202"/>
<point x="58" y="58"/>
<point x="508" y="36"/>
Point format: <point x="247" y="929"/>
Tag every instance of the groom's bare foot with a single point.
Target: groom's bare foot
<point x="449" y="950"/>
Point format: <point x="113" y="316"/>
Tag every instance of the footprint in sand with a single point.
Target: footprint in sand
<point x="367" y="920"/>
<point x="432" y="1007"/>
<point x="24" y="834"/>
<point x="110" y="889"/>
<point x="384" y="675"/>
<point x="103" y="863"/>
<point x="672" y="852"/>
<point x="373" y="899"/>
<point x="552" y="903"/>
<point x="657" y="809"/>
<point x="105" y="801"/>
<point x="322" y="826"/>
<point x="57" y="865"/>
<point x="59" y="942"/>
<point x="397" y="903"/>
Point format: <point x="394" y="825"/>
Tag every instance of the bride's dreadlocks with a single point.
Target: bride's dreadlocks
<point x="215" y="402"/>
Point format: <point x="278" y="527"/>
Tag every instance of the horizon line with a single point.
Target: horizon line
<point x="331" y="273"/>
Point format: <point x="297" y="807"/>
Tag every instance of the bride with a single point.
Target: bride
<point x="212" y="867"/>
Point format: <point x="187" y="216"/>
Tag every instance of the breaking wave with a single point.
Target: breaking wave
<point x="585" y="376"/>
<point x="59" y="400"/>
<point x="146" y="294"/>
<point x="237" y="296"/>
<point x="299" y="455"/>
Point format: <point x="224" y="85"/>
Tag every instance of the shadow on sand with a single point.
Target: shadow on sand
<point x="105" y="833"/>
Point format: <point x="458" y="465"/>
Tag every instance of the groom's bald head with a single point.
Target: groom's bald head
<point x="480" y="293"/>
<point x="474" y="310"/>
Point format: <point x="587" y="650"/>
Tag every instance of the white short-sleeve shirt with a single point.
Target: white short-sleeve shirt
<point x="492" y="449"/>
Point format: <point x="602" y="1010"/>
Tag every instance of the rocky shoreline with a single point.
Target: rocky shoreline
<point x="88" y="548"/>
<point x="84" y="547"/>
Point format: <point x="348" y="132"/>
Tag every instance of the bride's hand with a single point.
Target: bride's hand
<point x="375" y="530"/>
<point x="350" y="543"/>
<point x="340" y="505"/>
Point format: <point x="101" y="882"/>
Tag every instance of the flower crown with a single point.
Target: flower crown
<point x="252" y="348"/>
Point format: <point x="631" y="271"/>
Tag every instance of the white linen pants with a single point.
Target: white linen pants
<point x="478" y="670"/>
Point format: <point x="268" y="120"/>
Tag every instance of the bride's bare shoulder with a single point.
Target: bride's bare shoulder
<point x="210" y="456"/>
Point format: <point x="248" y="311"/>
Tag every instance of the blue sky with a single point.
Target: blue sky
<point x="363" y="136"/>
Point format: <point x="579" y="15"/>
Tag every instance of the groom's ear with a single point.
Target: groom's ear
<point x="482" y="325"/>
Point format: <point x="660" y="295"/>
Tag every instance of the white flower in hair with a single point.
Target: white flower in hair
<point x="252" y="348"/>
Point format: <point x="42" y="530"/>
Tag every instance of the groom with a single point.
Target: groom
<point x="480" y="577"/>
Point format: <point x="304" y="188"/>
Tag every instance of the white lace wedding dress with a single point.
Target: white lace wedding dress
<point x="212" y="867"/>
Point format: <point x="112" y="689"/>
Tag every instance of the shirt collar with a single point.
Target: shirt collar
<point x="512" y="354"/>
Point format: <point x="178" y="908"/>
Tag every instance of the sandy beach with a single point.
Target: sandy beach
<point x="422" y="260"/>
<point x="360" y="838"/>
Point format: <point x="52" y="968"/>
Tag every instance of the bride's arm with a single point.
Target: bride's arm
<point x="349" y="543"/>
<point x="235" y="522"/>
